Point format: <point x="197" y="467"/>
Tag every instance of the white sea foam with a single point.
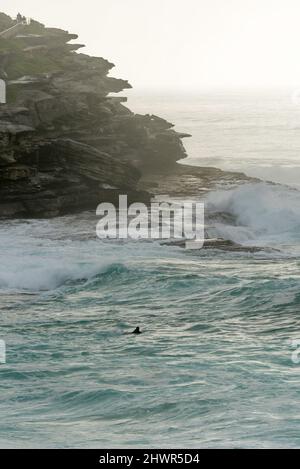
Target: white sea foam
<point x="39" y="255"/>
<point x="47" y="272"/>
<point x="262" y="213"/>
<point x="45" y="254"/>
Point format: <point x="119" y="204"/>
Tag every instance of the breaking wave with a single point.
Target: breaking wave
<point x="257" y="213"/>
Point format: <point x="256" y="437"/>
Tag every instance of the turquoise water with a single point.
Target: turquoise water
<point x="214" y="366"/>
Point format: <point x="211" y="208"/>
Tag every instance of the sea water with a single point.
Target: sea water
<point x="217" y="364"/>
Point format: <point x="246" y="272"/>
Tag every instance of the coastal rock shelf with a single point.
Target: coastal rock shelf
<point x="63" y="138"/>
<point x="66" y="144"/>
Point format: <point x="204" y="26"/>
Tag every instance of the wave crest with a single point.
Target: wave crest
<point x="261" y="212"/>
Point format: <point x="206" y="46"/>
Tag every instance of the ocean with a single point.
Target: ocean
<point x="217" y="365"/>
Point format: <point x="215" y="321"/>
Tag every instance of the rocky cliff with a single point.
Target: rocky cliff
<point x="65" y="143"/>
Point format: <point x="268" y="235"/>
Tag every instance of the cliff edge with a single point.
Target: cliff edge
<point x="65" y="143"/>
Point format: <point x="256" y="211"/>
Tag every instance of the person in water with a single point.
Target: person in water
<point x="137" y="331"/>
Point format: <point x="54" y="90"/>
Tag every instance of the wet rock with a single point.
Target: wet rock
<point x="219" y="243"/>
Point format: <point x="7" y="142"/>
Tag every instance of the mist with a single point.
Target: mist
<point x="194" y="45"/>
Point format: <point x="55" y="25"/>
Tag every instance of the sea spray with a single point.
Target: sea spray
<point x="261" y="213"/>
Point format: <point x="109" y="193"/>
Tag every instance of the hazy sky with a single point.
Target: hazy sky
<point x="183" y="44"/>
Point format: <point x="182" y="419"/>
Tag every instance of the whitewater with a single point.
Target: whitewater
<point x="216" y="364"/>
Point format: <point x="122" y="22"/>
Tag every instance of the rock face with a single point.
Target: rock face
<point x="65" y="144"/>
